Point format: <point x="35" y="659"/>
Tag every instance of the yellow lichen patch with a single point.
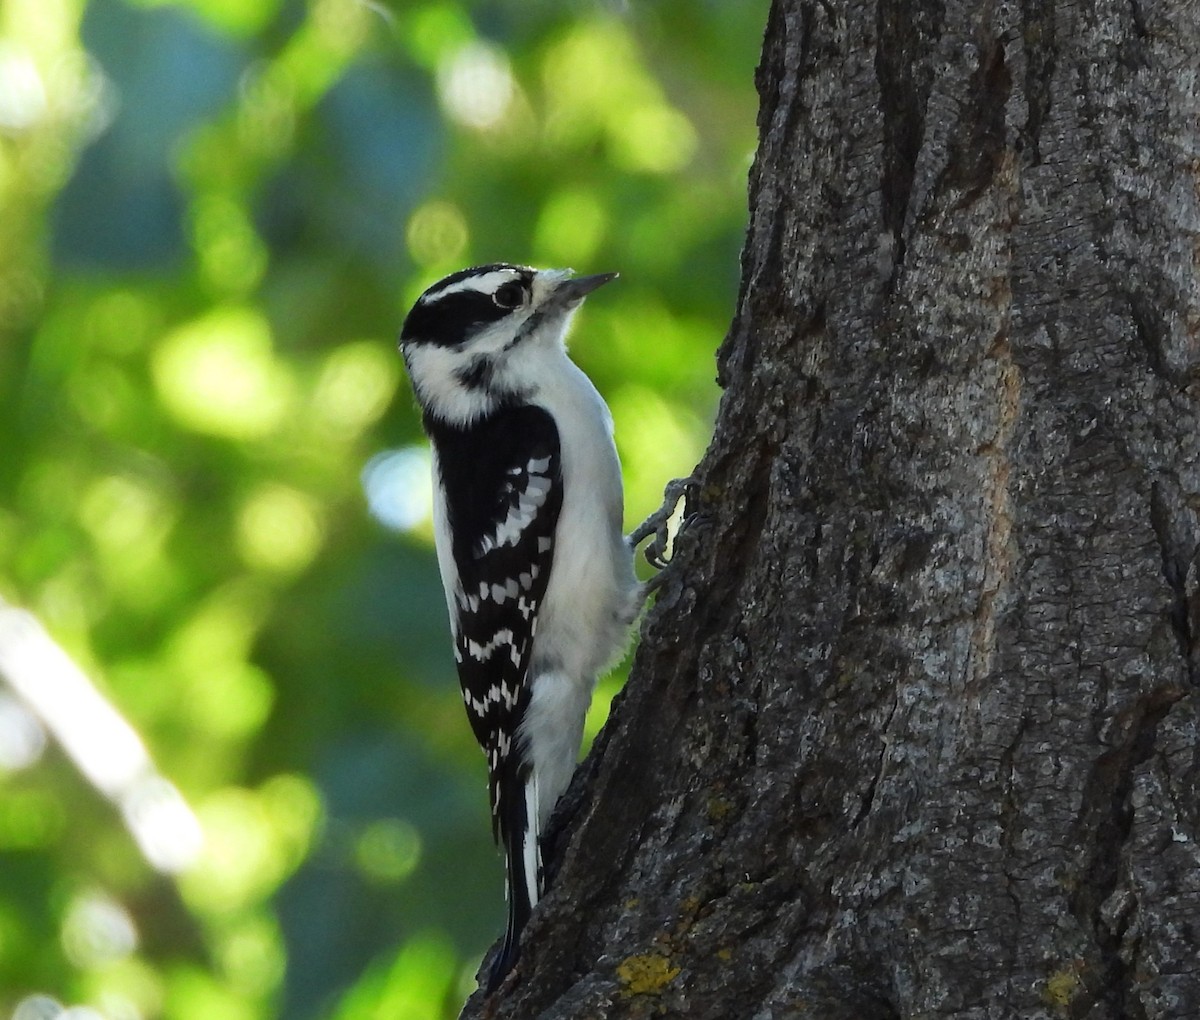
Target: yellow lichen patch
<point x="719" y="808"/>
<point x="724" y="955"/>
<point x="1063" y="985"/>
<point x="690" y="908"/>
<point x="646" y="974"/>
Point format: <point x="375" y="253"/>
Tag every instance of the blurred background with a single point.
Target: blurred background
<point x="248" y="788"/>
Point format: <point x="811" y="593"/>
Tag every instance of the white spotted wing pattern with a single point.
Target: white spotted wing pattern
<point x="514" y="499"/>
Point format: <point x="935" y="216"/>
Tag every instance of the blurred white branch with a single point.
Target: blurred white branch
<point x="98" y="739"/>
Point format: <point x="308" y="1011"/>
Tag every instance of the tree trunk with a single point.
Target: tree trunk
<point x="912" y="732"/>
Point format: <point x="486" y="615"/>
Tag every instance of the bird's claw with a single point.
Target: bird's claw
<point x="658" y="552"/>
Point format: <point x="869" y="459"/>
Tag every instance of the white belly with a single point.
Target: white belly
<point x="584" y="620"/>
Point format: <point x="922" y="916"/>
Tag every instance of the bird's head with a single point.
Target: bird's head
<point x="487" y="336"/>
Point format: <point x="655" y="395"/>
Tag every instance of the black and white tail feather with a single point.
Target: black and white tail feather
<point x="538" y="576"/>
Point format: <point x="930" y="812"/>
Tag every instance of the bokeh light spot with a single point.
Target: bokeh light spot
<point x="476" y="85"/>
<point x="241" y="862"/>
<point x="355" y="386"/>
<point x="279" y="529"/>
<point x="130" y="519"/>
<point x="294" y="807"/>
<point x="232" y="256"/>
<point x="119" y="322"/>
<point x="656" y="139"/>
<point x="97" y="930"/>
<point x="38" y="1007"/>
<point x="571" y="227"/>
<point x="218" y="374"/>
<point x="121" y="512"/>
<point x="342" y="24"/>
<point x="223" y="693"/>
<point x="398" y="487"/>
<point x="387" y="851"/>
<point x="591" y="76"/>
<point x="229" y="698"/>
<point x="221" y="629"/>
<point x="253" y="840"/>
<point x="267" y="113"/>
<point x="115" y="1006"/>
<point x="437" y="233"/>
<point x="22" y="93"/>
<point x="252" y="955"/>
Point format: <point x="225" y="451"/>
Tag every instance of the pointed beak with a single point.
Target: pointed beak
<point x="576" y="289"/>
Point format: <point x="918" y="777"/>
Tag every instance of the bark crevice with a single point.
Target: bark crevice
<point x="1102" y="901"/>
<point x="906" y="38"/>
<point x="1041" y="55"/>
<point x="1179" y="555"/>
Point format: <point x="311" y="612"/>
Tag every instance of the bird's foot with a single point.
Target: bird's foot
<point x="658" y="552"/>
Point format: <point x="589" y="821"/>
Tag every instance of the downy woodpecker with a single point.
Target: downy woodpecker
<point x="528" y="509"/>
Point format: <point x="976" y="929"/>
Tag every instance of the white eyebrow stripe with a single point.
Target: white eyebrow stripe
<point x="488" y="284"/>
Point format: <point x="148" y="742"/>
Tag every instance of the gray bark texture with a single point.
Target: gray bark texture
<point x="912" y="730"/>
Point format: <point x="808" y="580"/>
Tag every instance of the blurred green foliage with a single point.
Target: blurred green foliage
<point x="214" y="215"/>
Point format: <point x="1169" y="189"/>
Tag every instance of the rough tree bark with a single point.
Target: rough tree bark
<point x="913" y="732"/>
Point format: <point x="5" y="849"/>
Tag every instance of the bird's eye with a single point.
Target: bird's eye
<point x="511" y="295"/>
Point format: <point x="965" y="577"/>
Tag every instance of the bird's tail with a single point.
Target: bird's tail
<point x="523" y="868"/>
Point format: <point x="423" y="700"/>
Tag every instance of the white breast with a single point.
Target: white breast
<point x="591" y="599"/>
<point x="585" y="616"/>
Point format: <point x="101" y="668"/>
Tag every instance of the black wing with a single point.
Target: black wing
<point x="502" y="510"/>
